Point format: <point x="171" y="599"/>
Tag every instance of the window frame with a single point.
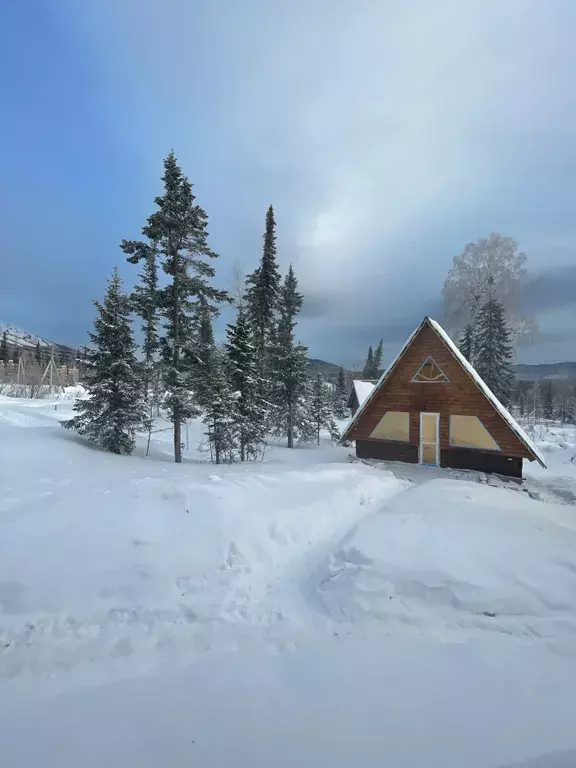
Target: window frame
<point x="498" y="449"/>
<point x="445" y="380"/>
<point x="393" y="439"/>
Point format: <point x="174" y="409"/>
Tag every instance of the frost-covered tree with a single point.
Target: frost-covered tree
<point x="493" y="350"/>
<point x="202" y="354"/>
<point x="289" y="366"/>
<point x="262" y="290"/>
<point x="219" y="413"/>
<point x="378" y="358"/>
<point x="492" y="267"/>
<point x="115" y="408"/>
<point x="178" y="232"/>
<point x="547" y="399"/>
<point x="4" y="347"/>
<point x="321" y="408"/>
<point x="466" y="344"/>
<point x="247" y="387"/>
<point x="340" y="395"/>
<point x="370" y="371"/>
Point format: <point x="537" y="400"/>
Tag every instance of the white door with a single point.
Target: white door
<point x="429" y="438"/>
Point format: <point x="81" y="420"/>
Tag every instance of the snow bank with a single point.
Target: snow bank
<point x="452" y="557"/>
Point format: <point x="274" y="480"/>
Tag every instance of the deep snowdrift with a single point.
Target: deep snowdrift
<point x="451" y="555"/>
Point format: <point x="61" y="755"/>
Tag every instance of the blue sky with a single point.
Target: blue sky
<point x="387" y="135"/>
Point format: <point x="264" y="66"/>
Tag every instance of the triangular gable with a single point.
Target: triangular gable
<point x="490" y="396"/>
<point x="430" y="372"/>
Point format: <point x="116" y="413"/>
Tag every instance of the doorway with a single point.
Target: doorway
<point x="429" y="439"/>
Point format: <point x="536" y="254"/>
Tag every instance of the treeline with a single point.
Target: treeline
<point x="253" y="386"/>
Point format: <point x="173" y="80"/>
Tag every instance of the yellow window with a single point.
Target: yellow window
<point x="469" y="432"/>
<point x="394" y="425"/>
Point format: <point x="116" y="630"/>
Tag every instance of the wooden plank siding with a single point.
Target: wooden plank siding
<point x="459" y="396"/>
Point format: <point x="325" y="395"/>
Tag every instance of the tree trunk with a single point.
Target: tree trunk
<point x="177" y="437"/>
<point x="290" y="427"/>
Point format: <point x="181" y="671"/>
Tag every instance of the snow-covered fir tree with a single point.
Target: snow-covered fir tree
<point x="145" y="295"/>
<point x="219" y="412"/>
<point x="340" y="395"/>
<point x="202" y="353"/>
<point x="547" y="399"/>
<point x="493" y="353"/>
<point x="115" y="408"/>
<point x="262" y="290"/>
<point x="321" y="408"/>
<point x="178" y="230"/>
<point x="247" y="388"/>
<point x="289" y="366"/>
<point x="466" y="343"/>
<point x="378" y="358"/>
<point x="370" y="371"/>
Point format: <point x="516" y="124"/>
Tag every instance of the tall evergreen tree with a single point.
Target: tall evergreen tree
<point x="4" y="355"/>
<point x="15" y="355"/>
<point x="341" y="395"/>
<point x="369" y="371"/>
<point x="321" y="408"/>
<point x="466" y="345"/>
<point x="289" y="366"/>
<point x="38" y="354"/>
<point x="178" y="230"/>
<point x="262" y="290"/>
<point x="220" y="412"/>
<point x="145" y="295"/>
<point x="247" y="386"/>
<point x="493" y="350"/>
<point x="115" y="408"/>
<point x="378" y="358"/>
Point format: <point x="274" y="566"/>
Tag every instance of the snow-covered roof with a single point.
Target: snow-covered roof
<point x="486" y="391"/>
<point x="363" y="389"/>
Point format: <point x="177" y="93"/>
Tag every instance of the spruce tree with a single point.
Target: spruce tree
<point x="247" y="386"/>
<point x="15" y="355"/>
<point x="115" y="408"/>
<point x="341" y="395"/>
<point x="178" y="232"/>
<point x="493" y="350"/>
<point x="4" y="347"/>
<point x="321" y="408"/>
<point x="378" y="358"/>
<point x="369" y="371"/>
<point x="466" y="345"/>
<point x="220" y="413"/>
<point x="145" y="295"/>
<point x="262" y="291"/>
<point x="202" y="353"/>
<point x="38" y="354"/>
<point x="289" y="366"/>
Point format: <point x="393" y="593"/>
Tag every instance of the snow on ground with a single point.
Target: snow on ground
<point x="303" y="609"/>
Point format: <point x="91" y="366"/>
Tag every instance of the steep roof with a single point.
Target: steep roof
<point x="362" y="389"/>
<point x="486" y="391"/>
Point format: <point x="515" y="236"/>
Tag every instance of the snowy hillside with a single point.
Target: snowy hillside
<point x="18" y="338"/>
<point x="304" y="610"/>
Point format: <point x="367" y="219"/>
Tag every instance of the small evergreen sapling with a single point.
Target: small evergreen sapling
<point x="220" y="413"/>
<point x="247" y="388"/>
<point x="341" y="395"/>
<point x="321" y="408"/>
<point x="115" y="409"/>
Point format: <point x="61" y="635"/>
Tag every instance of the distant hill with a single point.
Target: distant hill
<point x="24" y="341"/>
<point x="565" y="370"/>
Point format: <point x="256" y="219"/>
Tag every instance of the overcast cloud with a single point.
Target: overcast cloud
<point x="386" y="134"/>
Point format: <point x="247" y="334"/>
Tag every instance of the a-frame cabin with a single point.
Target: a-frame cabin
<point x="431" y="407"/>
